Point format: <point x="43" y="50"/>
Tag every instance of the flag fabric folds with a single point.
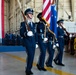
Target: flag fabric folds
<point x="1" y="19"/>
<point x="49" y="14"/>
<point x="53" y="22"/>
<point x="46" y="11"/>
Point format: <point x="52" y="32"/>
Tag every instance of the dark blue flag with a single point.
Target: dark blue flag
<point x="53" y="22"/>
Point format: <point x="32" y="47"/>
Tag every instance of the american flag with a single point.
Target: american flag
<point x="49" y="14"/>
<point x="1" y="19"/>
<point x="46" y="11"/>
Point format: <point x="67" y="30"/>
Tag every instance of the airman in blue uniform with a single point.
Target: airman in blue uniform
<point x="60" y="37"/>
<point x="28" y="39"/>
<point x="41" y="44"/>
<point x="50" y="49"/>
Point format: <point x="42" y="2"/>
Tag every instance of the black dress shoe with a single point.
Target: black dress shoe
<point x="39" y="68"/>
<point x="49" y="65"/>
<point x="29" y="72"/>
<point x="55" y="62"/>
<point x="43" y="69"/>
<point x="60" y="64"/>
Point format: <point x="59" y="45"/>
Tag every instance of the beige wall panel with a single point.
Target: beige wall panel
<point x="64" y="5"/>
<point x="39" y="1"/>
<point x="6" y="16"/>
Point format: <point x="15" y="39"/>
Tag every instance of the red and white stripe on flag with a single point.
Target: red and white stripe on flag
<point x="1" y="19"/>
<point x="46" y="12"/>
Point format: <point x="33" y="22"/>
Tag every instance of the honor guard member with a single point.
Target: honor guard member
<point x="50" y="49"/>
<point x="60" y="37"/>
<point x="28" y="39"/>
<point x="41" y="44"/>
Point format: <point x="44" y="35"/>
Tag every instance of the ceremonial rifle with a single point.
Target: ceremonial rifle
<point x="27" y="26"/>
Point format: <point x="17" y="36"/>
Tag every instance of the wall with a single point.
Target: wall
<point x="13" y="16"/>
<point x="6" y="15"/>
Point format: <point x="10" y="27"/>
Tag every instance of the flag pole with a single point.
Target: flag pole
<point x="57" y="2"/>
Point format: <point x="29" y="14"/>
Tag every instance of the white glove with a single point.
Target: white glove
<point x="36" y="45"/>
<point x="54" y="46"/>
<point x="29" y="33"/>
<point x="45" y="39"/>
<point x="46" y="24"/>
<point x="57" y="45"/>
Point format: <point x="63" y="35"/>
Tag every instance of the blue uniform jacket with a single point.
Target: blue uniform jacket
<point x="60" y="36"/>
<point x="40" y="31"/>
<point x="28" y="41"/>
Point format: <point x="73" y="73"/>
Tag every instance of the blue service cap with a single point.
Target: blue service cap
<point x="60" y="21"/>
<point x="29" y="10"/>
<point x="39" y="15"/>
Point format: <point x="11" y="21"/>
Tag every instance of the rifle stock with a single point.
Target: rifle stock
<point x="65" y="30"/>
<point x="27" y="26"/>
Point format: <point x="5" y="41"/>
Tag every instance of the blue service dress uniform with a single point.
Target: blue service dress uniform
<point x="29" y="43"/>
<point x="7" y="39"/>
<point x="42" y="45"/>
<point x="13" y="39"/>
<point x="50" y="49"/>
<point x="60" y="37"/>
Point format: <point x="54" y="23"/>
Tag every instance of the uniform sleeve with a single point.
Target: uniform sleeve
<point x="23" y="31"/>
<point x="36" y="34"/>
<point x="57" y="32"/>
